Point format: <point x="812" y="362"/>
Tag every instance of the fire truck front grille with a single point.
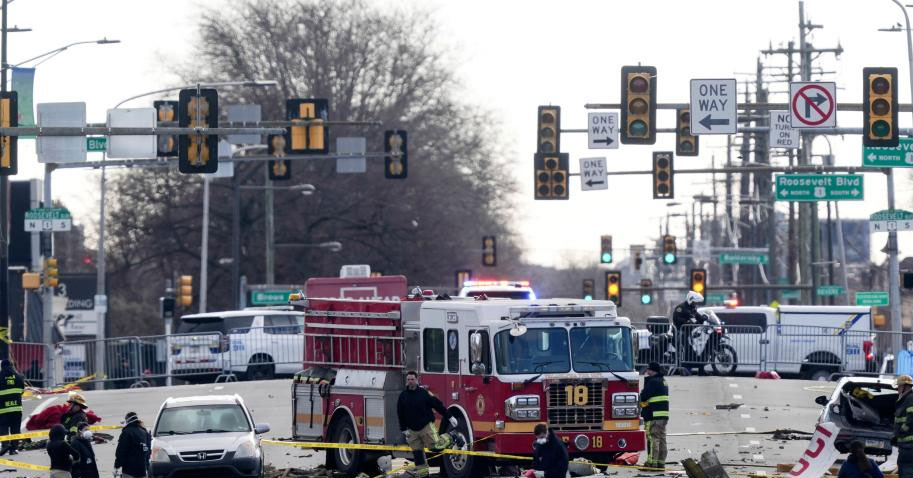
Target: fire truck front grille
<point x="575" y="405"/>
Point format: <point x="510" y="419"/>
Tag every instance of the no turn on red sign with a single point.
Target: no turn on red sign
<point x="813" y="104"/>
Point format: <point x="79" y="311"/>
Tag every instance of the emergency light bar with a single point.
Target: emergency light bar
<point x="516" y="312"/>
<point x="501" y="283"/>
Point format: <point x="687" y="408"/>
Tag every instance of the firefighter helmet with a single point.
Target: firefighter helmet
<point x="77" y="399"/>
<point x="903" y="380"/>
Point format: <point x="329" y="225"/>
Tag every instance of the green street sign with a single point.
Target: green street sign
<point x="899" y="157"/>
<point x="892" y="215"/>
<point x="270" y="297"/>
<point x="873" y="298"/>
<point x="715" y="298"/>
<point x="819" y="187"/>
<point x="829" y="290"/>
<point x="791" y="294"/>
<point x="750" y="258"/>
<point x="96" y="144"/>
<point x="47" y="214"/>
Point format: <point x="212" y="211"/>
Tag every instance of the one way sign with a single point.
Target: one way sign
<point x="593" y="174"/>
<point x="602" y="130"/>
<point x="713" y="106"/>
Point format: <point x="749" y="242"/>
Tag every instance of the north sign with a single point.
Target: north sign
<point x="713" y="106"/>
<point x="899" y="157"/>
<point x="819" y="187"/>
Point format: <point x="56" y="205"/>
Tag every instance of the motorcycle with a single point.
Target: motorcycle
<point x="708" y="342"/>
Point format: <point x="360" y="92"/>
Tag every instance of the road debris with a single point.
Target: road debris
<point x="729" y="406"/>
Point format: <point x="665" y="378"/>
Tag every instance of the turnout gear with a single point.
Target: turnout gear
<point x="12" y="384"/>
<point x="654" y="404"/>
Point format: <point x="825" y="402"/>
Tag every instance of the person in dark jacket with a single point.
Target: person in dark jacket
<point x="133" y="448"/>
<point x="75" y="415"/>
<point x="858" y="465"/>
<point x="415" y="411"/>
<point x="654" y="408"/>
<point x="903" y="426"/>
<point x="550" y="458"/>
<point x="61" y="453"/>
<point x="12" y="384"/>
<point x="86" y="467"/>
<point x="685" y="317"/>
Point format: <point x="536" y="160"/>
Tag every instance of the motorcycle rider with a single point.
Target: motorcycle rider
<point x="684" y="315"/>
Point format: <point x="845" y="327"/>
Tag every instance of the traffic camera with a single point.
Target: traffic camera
<point x="613" y="286"/>
<point x="699" y="281"/>
<point x="589" y="289"/>
<point x="308" y="134"/>
<point x="670" y="255"/>
<point x="686" y="144"/>
<point x="551" y="175"/>
<point x="548" y="133"/>
<point x="51" y="272"/>
<point x="198" y="153"/>
<point x="185" y="291"/>
<point x="605" y="257"/>
<point x="396" y="155"/>
<point x="638" y="105"/>
<point x="166" y="112"/>
<point x="9" y="148"/>
<point x="663" y="176"/>
<point x="879" y="108"/>
<point x="489" y="251"/>
<point x="646" y="297"/>
<point x="280" y="169"/>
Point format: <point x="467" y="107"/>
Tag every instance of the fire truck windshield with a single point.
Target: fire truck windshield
<point x="594" y="349"/>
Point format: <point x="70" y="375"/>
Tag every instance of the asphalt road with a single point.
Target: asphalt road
<point x="767" y="405"/>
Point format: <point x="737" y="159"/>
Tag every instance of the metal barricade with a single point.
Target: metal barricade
<point x="77" y="360"/>
<point x="194" y="357"/>
<point x="724" y="349"/>
<point x="29" y="359"/>
<point x="261" y="353"/>
<point x="816" y="352"/>
<point x="653" y="342"/>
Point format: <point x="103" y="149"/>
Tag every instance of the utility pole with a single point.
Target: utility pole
<point x="765" y="188"/>
<point x="270" y="228"/>
<point x="4" y="220"/>
<point x="744" y="275"/>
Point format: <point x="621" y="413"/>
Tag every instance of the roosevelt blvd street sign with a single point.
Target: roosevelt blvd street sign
<point x="899" y="157"/>
<point x="879" y="298"/>
<point x="891" y="220"/>
<point x="829" y="290"/>
<point x="819" y="187"/>
<point x="55" y="219"/>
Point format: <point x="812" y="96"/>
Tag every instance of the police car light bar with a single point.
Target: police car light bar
<point x="496" y="283"/>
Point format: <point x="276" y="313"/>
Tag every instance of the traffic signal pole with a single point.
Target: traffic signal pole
<point x="4" y="216"/>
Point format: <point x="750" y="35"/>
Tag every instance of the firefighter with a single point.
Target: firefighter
<point x="415" y="411"/>
<point x="76" y="414"/>
<point x="11" y="387"/>
<point x="654" y="408"/>
<point x="903" y="426"/>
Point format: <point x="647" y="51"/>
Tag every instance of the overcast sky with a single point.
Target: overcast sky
<point x="510" y="57"/>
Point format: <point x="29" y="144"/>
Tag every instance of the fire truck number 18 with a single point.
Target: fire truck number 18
<point x="578" y="395"/>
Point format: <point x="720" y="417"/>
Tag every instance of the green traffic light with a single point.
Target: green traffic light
<point x="646" y="299"/>
<point x="606" y="257"/>
<point x="881" y="128"/>
<point x="588" y="297"/>
<point x="669" y="258"/>
<point x="637" y="128"/>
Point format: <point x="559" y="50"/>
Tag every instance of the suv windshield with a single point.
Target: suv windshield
<point x="202" y="419"/>
<point x="594" y="349"/>
<point x="601" y="349"/>
<point x="224" y="325"/>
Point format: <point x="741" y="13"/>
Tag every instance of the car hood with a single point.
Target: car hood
<point x="202" y="441"/>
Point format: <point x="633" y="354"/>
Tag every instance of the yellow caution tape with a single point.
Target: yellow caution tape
<point x="44" y="433"/>
<point x="364" y="446"/>
<point x="23" y="465"/>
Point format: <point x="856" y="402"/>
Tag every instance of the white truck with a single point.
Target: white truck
<point x="810" y="341"/>
<point x="501" y="289"/>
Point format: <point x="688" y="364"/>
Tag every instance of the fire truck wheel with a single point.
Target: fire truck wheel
<point x="464" y="466"/>
<point x="346" y="461"/>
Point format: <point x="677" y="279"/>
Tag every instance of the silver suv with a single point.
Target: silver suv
<point x="211" y="435"/>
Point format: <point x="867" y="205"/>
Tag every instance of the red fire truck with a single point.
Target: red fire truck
<point x="500" y="366"/>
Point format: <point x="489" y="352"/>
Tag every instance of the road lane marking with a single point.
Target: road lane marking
<point x="758" y="458"/>
<point x="745" y="415"/>
<point x="754" y="442"/>
<point x="734" y="385"/>
<point x="750" y="429"/>
<point x="736" y="397"/>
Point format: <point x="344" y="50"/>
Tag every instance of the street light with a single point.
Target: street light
<point x="103" y="41"/>
<point x="332" y="246"/>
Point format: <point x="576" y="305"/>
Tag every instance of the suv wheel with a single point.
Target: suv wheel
<point x="261" y="368"/>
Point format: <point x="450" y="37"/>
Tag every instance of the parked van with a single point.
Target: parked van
<point x="254" y="343"/>
<point x="810" y="341"/>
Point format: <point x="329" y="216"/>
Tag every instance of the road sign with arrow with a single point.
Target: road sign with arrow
<point x="713" y="106"/>
<point x="593" y="174"/>
<point x="602" y="130"/>
<point x="813" y="104"/>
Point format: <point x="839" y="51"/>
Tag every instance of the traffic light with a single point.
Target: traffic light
<point x="166" y="112"/>
<point x="51" y="272"/>
<point x="613" y="286"/>
<point x="198" y="153"/>
<point x="548" y="133"/>
<point x="638" y="260"/>
<point x="638" y="105"/>
<point x="461" y="276"/>
<point x="699" y="281"/>
<point x="9" y="148"/>
<point x="167" y="306"/>
<point x="185" y="291"/>
<point x="489" y="251"/>
<point x="646" y="297"/>
<point x="686" y="144"/>
<point x="589" y="289"/>
<point x="551" y="175"/>
<point x="605" y="255"/>
<point x="277" y="147"/>
<point x="907" y="280"/>
<point x="396" y="155"/>
<point x="669" y="252"/>
<point x="663" y="176"/>
<point x="308" y="138"/>
<point x="879" y="109"/>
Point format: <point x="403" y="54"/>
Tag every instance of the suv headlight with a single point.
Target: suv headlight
<point x="246" y="450"/>
<point x="159" y="455"/>
<point x="522" y="407"/>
